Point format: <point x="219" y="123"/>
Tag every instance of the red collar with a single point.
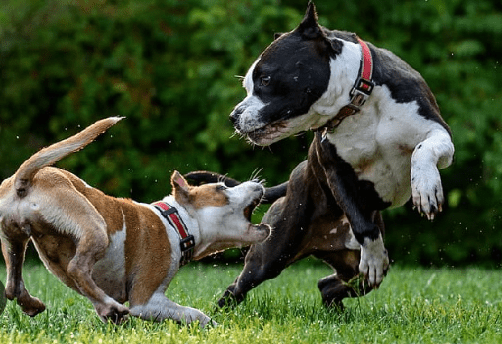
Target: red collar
<point x="187" y="241"/>
<point x="366" y="68"/>
<point x="360" y="91"/>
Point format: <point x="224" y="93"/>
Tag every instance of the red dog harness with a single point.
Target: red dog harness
<point x="187" y="241"/>
<point x="360" y="92"/>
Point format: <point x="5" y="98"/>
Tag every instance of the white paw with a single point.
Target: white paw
<point x="374" y="261"/>
<point x="204" y="320"/>
<point x="427" y="190"/>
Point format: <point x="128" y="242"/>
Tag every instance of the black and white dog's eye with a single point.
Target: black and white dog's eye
<point x="220" y="187"/>
<point x="265" y="80"/>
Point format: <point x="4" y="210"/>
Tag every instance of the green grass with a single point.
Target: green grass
<point x="411" y="306"/>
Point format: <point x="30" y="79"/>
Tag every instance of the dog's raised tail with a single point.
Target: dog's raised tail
<point x="50" y="155"/>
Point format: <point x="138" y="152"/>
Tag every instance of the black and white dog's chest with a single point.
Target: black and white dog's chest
<point x="378" y="143"/>
<point x="289" y="92"/>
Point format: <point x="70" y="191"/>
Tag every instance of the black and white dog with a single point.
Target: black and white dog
<point x="379" y="141"/>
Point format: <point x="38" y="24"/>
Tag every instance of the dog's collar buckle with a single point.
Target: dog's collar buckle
<point x="360" y="92"/>
<point x="187" y="240"/>
<point x="364" y="86"/>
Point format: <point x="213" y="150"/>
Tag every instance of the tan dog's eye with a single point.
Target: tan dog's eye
<point x="220" y="187"/>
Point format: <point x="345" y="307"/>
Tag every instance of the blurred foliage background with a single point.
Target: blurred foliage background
<point x="171" y="68"/>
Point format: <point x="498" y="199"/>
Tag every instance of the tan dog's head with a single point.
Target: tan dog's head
<point x="223" y="213"/>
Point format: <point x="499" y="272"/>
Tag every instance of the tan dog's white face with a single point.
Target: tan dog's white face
<point x="223" y="213"/>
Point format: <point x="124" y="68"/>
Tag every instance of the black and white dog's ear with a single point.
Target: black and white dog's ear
<point x="309" y="28"/>
<point x="277" y="35"/>
<point x="311" y="12"/>
<point x="336" y="45"/>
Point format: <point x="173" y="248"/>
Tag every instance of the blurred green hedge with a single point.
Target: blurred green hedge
<point x="171" y="68"/>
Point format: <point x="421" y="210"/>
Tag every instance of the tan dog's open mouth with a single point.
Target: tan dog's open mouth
<point x="248" y="211"/>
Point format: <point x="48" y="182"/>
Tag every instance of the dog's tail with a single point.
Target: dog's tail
<point x="271" y="194"/>
<point x="57" y="151"/>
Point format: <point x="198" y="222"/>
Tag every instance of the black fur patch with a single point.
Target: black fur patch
<point x="292" y="74"/>
<point x="405" y="84"/>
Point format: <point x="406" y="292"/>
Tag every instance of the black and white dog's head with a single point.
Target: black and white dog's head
<point x="289" y="77"/>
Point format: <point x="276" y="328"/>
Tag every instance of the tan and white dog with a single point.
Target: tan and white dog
<point x="114" y="250"/>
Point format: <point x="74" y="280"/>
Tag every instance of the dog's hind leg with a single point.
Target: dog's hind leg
<point x="13" y="252"/>
<point x="345" y="282"/>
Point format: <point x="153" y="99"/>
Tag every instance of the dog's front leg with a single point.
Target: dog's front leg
<point x="13" y="253"/>
<point x="426" y="189"/>
<point x="160" y="308"/>
<point x="90" y="247"/>
<point x="80" y="270"/>
<point x="346" y="190"/>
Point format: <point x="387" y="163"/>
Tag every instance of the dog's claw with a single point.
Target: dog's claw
<point x="427" y="203"/>
<point x="426" y="187"/>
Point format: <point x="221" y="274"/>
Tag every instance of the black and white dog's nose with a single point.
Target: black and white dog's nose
<point x="235" y="115"/>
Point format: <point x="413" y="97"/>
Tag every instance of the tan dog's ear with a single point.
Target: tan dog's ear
<point x="181" y="188"/>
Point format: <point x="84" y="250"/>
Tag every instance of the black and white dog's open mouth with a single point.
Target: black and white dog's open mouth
<point x="273" y="132"/>
<point x="269" y="133"/>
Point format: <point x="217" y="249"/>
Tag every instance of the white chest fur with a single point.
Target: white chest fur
<point x="378" y="142"/>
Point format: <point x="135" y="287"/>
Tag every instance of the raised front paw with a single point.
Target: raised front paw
<point x="374" y="261"/>
<point x="427" y="190"/>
